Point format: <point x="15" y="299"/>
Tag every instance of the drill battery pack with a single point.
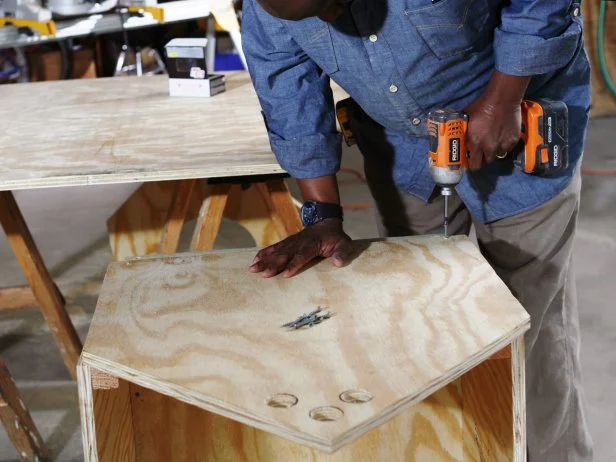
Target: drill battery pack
<point x="544" y="144"/>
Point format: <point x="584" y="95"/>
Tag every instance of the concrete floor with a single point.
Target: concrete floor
<point x="69" y="227"/>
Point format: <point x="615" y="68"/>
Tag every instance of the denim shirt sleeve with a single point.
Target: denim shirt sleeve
<point x="536" y="36"/>
<point x="295" y="96"/>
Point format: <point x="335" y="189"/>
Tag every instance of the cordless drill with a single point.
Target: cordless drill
<point x="542" y="150"/>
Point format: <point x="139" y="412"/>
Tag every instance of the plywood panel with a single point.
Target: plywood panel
<point x="488" y="411"/>
<point x="128" y="130"/>
<point x="125" y="130"/>
<point x="113" y="422"/>
<point x="410" y="315"/>
<point x="167" y="429"/>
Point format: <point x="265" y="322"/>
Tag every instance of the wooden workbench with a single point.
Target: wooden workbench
<point x="126" y="130"/>
<point x="186" y="360"/>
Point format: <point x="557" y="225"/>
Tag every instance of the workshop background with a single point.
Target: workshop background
<point x="69" y="225"/>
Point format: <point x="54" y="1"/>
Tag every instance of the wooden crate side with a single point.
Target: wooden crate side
<point x="114" y="424"/>
<point x="106" y="419"/>
<point x="168" y="429"/>
<point x="494" y="403"/>
<point x="486" y="392"/>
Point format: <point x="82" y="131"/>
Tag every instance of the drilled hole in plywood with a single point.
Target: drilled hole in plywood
<point x="356" y="396"/>
<point x="326" y="414"/>
<point x="282" y="400"/>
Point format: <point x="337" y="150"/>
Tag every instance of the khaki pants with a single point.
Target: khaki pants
<point x="532" y="254"/>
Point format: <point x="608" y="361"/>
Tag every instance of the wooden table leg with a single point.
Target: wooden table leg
<point x="283" y="211"/>
<point x="177" y="216"/>
<point x="210" y="216"/>
<point x="17" y="421"/>
<point x="44" y="289"/>
<point x="138" y="228"/>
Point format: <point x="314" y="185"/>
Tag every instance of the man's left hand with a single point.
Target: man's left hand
<point x="495" y="119"/>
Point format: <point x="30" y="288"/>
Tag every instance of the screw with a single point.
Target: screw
<point x="303" y="317"/>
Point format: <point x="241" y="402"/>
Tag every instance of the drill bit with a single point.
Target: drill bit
<point x="446" y="191"/>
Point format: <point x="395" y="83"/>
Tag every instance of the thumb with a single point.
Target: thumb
<point x="343" y="253"/>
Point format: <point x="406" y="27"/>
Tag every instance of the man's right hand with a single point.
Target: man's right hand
<point x="325" y="239"/>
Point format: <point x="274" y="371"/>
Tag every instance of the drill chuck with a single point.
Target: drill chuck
<point x="446" y="176"/>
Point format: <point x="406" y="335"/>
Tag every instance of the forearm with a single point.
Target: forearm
<point x="321" y="189"/>
<point x="505" y="89"/>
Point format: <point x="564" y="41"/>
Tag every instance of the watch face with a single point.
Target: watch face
<point x="309" y="213"/>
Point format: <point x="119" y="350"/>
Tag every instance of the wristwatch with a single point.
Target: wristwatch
<point x="314" y="212"/>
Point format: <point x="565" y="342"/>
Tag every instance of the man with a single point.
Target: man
<point x="399" y="59"/>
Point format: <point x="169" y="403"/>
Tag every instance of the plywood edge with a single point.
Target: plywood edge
<point x="86" y="412"/>
<point x="102" y="381"/>
<point x="138" y="177"/>
<point x="518" y="376"/>
<point x="263" y="423"/>
<point x="188" y="255"/>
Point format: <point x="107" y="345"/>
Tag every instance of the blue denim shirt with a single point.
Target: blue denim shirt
<point x="399" y="59"/>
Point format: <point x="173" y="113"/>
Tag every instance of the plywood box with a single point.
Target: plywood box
<point x="186" y="360"/>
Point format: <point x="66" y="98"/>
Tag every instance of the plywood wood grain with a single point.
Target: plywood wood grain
<point x="410" y="316"/>
<point x="168" y="429"/>
<point x="125" y="130"/>
<point x="115" y="440"/>
<point x="488" y="411"/>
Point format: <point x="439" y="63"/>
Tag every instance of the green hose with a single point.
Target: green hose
<point x="600" y="46"/>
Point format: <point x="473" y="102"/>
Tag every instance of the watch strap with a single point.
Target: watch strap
<point x="326" y="210"/>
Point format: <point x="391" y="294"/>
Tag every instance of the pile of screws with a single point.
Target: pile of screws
<point x="309" y="319"/>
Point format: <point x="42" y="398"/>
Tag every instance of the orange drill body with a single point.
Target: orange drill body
<point x="448" y="153"/>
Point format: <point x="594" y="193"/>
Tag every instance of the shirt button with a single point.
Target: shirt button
<point x="576" y="12"/>
<point x="373" y="38"/>
<point x="393" y="88"/>
<point x="416" y="121"/>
